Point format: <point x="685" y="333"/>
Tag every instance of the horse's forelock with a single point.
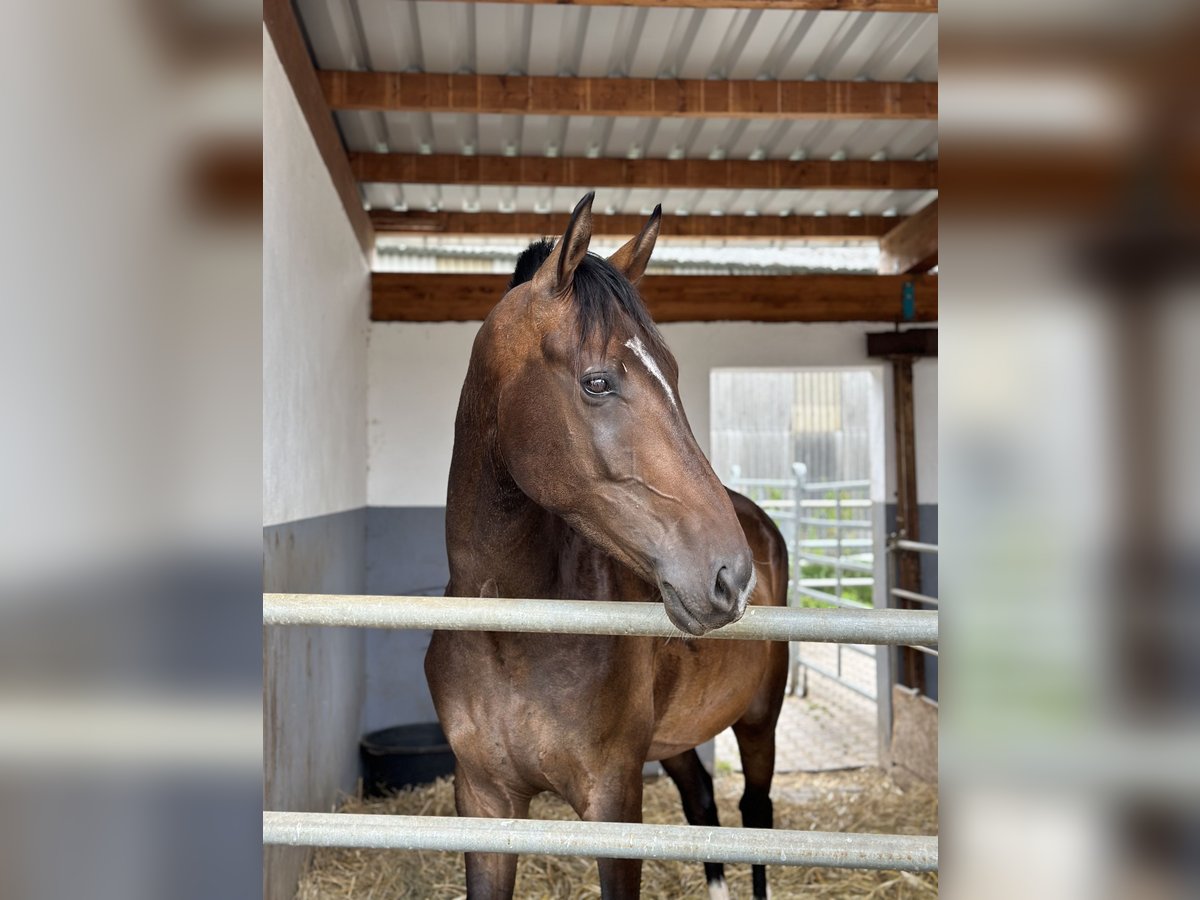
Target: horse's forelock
<point x="602" y="296"/>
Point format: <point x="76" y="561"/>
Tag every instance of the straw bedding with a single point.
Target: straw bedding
<point x="860" y="800"/>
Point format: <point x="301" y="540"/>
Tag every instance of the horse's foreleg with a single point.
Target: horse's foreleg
<point x="700" y="806"/>
<point x="490" y="876"/>
<point x="617" y="798"/>
<point x="756" y="743"/>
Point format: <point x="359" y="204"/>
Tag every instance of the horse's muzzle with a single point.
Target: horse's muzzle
<point x="699" y="606"/>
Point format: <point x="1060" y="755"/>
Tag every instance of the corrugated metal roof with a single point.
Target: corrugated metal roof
<point x="427" y="253"/>
<point x="549" y="40"/>
<point x="637" y="137"/>
<point x="473" y="198"/>
<point x="636" y="42"/>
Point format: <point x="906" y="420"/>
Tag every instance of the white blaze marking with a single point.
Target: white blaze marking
<point x="718" y="890"/>
<point x="635" y="344"/>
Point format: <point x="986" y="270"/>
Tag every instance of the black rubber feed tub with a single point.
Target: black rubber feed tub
<point x="404" y="756"/>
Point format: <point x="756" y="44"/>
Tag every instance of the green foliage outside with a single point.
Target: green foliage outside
<point x="803" y="569"/>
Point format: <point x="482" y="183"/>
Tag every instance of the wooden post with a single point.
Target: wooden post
<point x="908" y="569"/>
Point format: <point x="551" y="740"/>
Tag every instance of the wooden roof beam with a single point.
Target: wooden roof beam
<point x="280" y="20"/>
<point x="536" y="224"/>
<point x="412" y="297"/>
<point x="912" y="246"/>
<point x="658" y="97"/>
<point x="776" y="174"/>
<point x="903" y="6"/>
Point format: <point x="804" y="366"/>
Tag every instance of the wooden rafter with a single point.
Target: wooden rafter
<point x="909" y="342"/>
<point x="280" y="21"/>
<point x="534" y="224"/>
<point x="410" y="297"/>
<point x="658" y="97"/>
<point x="648" y="173"/>
<point x="904" y="6"/>
<point x="912" y="246"/>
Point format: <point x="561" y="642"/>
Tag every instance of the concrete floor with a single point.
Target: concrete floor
<point x="831" y="728"/>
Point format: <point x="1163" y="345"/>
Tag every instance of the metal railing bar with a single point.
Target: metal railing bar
<point x="822" y="543"/>
<point x="835" y="485"/>
<point x="835" y="523"/>
<point x="616" y="840"/>
<point x="830" y="582"/>
<point x="760" y="482"/>
<point x="824" y="596"/>
<point x="839" y="679"/>
<point x="859" y="626"/>
<point x="837" y="562"/>
<point x="777" y="507"/>
<point x="928" y="650"/>
<point x="915" y="546"/>
<point x="914" y="596"/>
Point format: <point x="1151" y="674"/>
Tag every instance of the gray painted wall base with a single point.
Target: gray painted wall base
<point x="314" y="681"/>
<point x="406" y="555"/>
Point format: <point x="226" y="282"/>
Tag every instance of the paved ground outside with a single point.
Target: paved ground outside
<point x="831" y="728"/>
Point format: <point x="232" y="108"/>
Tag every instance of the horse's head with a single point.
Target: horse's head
<point x="590" y="425"/>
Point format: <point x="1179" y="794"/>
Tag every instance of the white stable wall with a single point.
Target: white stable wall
<point x="316" y="284"/>
<point x="415" y="372"/>
<point x="315" y="291"/>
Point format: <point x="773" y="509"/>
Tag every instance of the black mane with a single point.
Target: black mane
<point x="530" y="261"/>
<point x="602" y="295"/>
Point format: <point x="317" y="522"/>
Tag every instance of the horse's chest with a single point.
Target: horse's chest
<point x="530" y="690"/>
<point x="703" y="687"/>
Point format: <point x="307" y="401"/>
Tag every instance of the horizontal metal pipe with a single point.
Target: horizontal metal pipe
<point x="834" y="504"/>
<point x="846" y="581"/>
<point x="826" y="597"/>
<point x="836" y="523"/>
<point x="771" y="623"/>
<point x="915" y="546"/>
<point x="611" y="840"/>
<point x="835" y="485"/>
<point x="833" y="542"/>
<point x="837" y="562"/>
<point x="736" y="483"/>
<point x="914" y="596"/>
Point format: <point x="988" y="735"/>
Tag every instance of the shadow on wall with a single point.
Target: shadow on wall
<point x="406" y="554"/>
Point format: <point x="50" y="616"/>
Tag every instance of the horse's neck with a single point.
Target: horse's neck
<point x="500" y="542"/>
<point x="497" y="539"/>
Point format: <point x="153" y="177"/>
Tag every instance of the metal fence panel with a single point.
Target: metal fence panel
<point x="600" y="839"/>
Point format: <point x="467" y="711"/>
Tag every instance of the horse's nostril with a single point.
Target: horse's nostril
<point x="724" y="588"/>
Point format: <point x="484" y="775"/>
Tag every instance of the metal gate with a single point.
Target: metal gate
<point x="830" y="537"/>
<point x="601" y="839"/>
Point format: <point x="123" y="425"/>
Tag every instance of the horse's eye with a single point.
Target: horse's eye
<point x="597" y="384"/>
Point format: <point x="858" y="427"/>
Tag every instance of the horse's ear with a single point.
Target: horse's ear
<point x="556" y="272"/>
<point x="631" y="260"/>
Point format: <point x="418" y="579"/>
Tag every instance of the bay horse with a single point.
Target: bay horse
<point x="575" y="475"/>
